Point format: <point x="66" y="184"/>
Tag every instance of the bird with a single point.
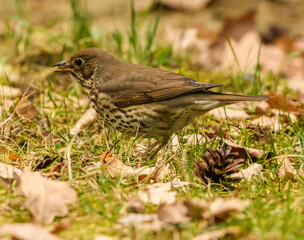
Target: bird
<point x="140" y="100"/>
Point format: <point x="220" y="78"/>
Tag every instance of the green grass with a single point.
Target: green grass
<point x="275" y="212"/>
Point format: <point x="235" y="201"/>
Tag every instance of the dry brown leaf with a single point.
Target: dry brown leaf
<point x="135" y="205"/>
<point x="88" y="118"/>
<point x="9" y="92"/>
<point x="10" y="154"/>
<point x="45" y="198"/>
<point x="142" y="5"/>
<point x="184" y="5"/>
<point x="237" y="27"/>
<point x="222" y="209"/>
<point x="296" y="84"/>
<point x="103" y="237"/>
<point x="136" y="218"/>
<point x="286" y="169"/>
<point x="117" y="168"/>
<point x="158" y="193"/>
<point x="173" y="213"/>
<point x="243" y="151"/>
<point x="151" y="226"/>
<point x="26" y="231"/>
<point x="114" y="166"/>
<point x="8" y="171"/>
<point x="218" y="234"/>
<point x="246" y="51"/>
<point x="283" y="102"/>
<point x="222" y="113"/>
<point x="269" y="122"/>
<point x="55" y="170"/>
<point x="254" y="169"/>
<point x="26" y="109"/>
<point x="263" y="108"/>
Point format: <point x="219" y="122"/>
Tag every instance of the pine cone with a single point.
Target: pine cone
<point x="217" y="165"/>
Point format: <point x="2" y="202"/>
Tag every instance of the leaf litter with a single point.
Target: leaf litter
<point x="44" y="198"/>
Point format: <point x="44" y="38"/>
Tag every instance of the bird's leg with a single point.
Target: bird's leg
<point x="152" y="151"/>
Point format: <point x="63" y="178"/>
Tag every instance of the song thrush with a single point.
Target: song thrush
<point x="141" y="100"/>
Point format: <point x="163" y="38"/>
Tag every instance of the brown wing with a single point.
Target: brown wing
<point x="144" y="84"/>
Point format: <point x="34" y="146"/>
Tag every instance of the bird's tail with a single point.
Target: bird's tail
<point x="211" y="100"/>
<point x="233" y="98"/>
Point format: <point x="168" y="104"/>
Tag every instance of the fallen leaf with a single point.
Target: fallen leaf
<point x="136" y="218"/>
<point x="45" y="198"/>
<point x="263" y="108"/>
<point x="151" y="226"/>
<point x="236" y="27"/>
<point x="218" y="234"/>
<point x="158" y="193"/>
<point x="286" y="169"/>
<point x="8" y="171"/>
<point x="142" y="5"/>
<point x="173" y="213"/>
<point x="296" y="84"/>
<point x="88" y="118"/>
<point x="222" y="209"/>
<point x="184" y="5"/>
<point x="114" y="166"/>
<point x="254" y="169"/>
<point x="243" y="151"/>
<point x="55" y="170"/>
<point x="223" y="113"/>
<point x="103" y="237"/>
<point x="117" y="168"/>
<point x="10" y="154"/>
<point x="26" y="231"/>
<point x="47" y="161"/>
<point x="8" y="92"/>
<point x="26" y="109"/>
<point x="283" y="102"/>
<point x="270" y="122"/>
<point x="135" y="205"/>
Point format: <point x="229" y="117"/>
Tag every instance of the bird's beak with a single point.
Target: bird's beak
<point x="63" y="66"/>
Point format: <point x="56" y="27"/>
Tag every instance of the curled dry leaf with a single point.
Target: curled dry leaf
<point x="135" y="218"/>
<point x="158" y="193"/>
<point x="103" y="237"/>
<point x="45" y="198"/>
<point x="218" y="234"/>
<point x="26" y="109"/>
<point x="173" y="213"/>
<point x="11" y="155"/>
<point x="283" y="102"/>
<point x="117" y="168"/>
<point x="263" y="108"/>
<point x="26" y="231"/>
<point x="88" y="118"/>
<point x="185" y="5"/>
<point x="135" y="205"/>
<point x="222" y="209"/>
<point x="8" y="171"/>
<point x="269" y="122"/>
<point x="47" y="161"/>
<point x="243" y="151"/>
<point x="254" y="169"/>
<point x="222" y="113"/>
<point x="114" y="166"/>
<point x="286" y="169"/>
<point x="9" y="92"/>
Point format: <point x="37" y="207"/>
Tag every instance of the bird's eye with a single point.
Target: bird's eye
<point x="78" y="62"/>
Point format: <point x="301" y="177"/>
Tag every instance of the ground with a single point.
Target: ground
<point x="64" y="172"/>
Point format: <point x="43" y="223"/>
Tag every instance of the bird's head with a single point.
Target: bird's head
<point x="86" y="65"/>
